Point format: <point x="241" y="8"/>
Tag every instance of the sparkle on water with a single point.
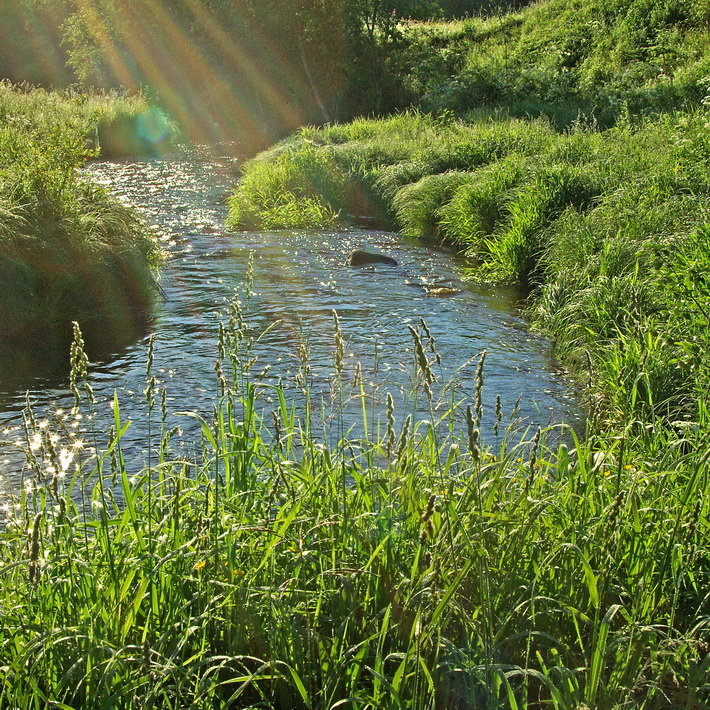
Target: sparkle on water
<point x="299" y="279"/>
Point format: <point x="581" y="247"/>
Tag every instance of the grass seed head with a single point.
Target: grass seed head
<point x="404" y="437"/>
<point x="390" y="424"/>
<point x="499" y="414"/>
<point x="339" y="345"/>
<point x="473" y="436"/>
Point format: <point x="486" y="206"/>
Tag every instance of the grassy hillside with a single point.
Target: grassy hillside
<point x="603" y="58"/>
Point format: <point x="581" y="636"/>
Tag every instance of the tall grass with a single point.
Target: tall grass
<point x="600" y="225"/>
<point x="293" y="187"/>
<point x="112" y="124"/>
<point x="68" y="251"/>
<point x="405" y="568"/>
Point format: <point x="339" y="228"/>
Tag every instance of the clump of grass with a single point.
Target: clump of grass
<point x="479" y="206"/>
<point x="298" y="186"/>
<point x="361" y="166"/>
<point x="417" y="204"/>
<point x="67" y="250"/>
<point x="408" y="568"/>
<point x="515" y="254"/>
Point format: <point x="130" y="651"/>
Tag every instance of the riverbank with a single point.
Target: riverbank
<point x="609" y="229"/>
<point x="408" y="567"/>
<point x="68" y="251"/>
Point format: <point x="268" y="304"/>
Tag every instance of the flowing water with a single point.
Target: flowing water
<point x="299" y="279"/>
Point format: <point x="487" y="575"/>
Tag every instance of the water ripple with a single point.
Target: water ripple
<point x="299" y="278"/>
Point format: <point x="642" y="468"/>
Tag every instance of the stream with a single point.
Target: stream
<point x="299" y="279"/>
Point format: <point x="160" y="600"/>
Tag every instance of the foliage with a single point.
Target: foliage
<point x="67" y="250"/>
<point x="410" y="568"/>
<point x="31" y="47"/>
<point x="246" y="69"/>
<point x="563" y="58"/>
<point x="249" y="71"/>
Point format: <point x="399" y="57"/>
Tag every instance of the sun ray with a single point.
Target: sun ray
<point x="200" y="80"/>
<point x="215" y="87"/>
<point x="94" y="24"/>
<point x="240" y="58"/>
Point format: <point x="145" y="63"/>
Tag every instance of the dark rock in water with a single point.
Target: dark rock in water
<point x="366" y="221"/>
<point x="360" y="257"/>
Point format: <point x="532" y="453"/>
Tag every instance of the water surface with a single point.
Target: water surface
<point x="299" y="279"/>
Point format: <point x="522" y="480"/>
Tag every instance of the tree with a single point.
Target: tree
<point x="30" y="42"/>
<point x="250" y="69"/>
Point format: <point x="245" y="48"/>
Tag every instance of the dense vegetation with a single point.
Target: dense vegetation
<point x="408" y="568"/>
<point x="563" y="58"/>
<point x="414" y="566"/>
<point x="249" y="70"/>
<point x="68" y="251"/>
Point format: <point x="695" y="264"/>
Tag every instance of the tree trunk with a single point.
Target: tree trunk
<point x="312" y="83"/>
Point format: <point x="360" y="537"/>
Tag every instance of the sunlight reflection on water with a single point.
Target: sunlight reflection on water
<point x="299" y="279"/>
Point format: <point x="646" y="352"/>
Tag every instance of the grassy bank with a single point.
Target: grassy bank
<point x="68" y="251"/>
<point x="113" y="125"/>
<point x="609" y="228"/>
<point x="410" y="568"/>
